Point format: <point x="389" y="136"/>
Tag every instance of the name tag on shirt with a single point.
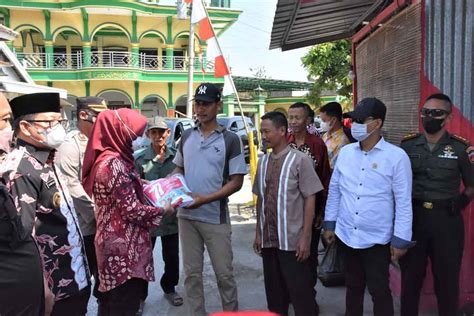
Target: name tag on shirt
<point x="51" y="183"/>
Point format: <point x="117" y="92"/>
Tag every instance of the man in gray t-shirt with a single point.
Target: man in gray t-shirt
<point x="212" y="162"/>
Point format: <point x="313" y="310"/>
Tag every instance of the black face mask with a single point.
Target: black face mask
<point x="432" y="125"/>
<point x="90" y="119"/>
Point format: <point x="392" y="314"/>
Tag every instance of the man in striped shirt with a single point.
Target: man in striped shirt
<point x="286" y="185"/>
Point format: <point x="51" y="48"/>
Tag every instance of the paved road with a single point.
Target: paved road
<point x="248" y="273"/>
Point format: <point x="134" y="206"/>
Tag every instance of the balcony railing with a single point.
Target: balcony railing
<point x="106" y="59"/>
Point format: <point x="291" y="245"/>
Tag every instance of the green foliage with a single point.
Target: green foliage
<point x="328" y="65"/>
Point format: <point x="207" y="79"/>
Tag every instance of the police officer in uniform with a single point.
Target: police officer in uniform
<point x="439" y="162"/>
<point x="43" y="200"/>
<point x="69" y="159"/>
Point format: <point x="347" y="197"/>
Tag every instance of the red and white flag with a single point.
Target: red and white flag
<point x="206" y="32"/>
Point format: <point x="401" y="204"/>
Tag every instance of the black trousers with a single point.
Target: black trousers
<point x="440" y="237"/>
<point x="170" y="255"/>
<point x="73" y="306"/>
<point x="367" y="268"/>
<point x="287" y="280"/>
<point x="313" y="258"/>
<point x="92" y="260"/>
<point x="124" y="300"/>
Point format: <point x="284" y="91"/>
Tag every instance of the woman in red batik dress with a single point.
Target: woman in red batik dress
<point x="123" y="246"/>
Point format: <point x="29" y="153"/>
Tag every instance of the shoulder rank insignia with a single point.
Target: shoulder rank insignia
<point x="460" y="139"/>
<point x="410" y="136"/>
<point x="470" y="153"/>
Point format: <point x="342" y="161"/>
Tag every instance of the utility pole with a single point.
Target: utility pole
<point x="189" y="103"/>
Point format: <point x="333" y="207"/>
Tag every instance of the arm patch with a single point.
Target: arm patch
<point x="470" y="153"/>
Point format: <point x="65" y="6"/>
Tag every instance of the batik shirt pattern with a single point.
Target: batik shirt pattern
<point x="47" y="212"/>
<point x="123" y="244"/>
<point x="315" y="149"/>
<point x="334" y="142"/>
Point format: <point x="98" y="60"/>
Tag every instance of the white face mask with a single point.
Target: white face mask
<point x="325" y="126"/>
<point x="6" y="135"/>
<point x="359" y="131"/>
<point x="55" y="136"/>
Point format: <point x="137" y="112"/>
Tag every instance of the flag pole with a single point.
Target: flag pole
<point x="250" y="136"/>
<point x="189" y="102"/>
<point x="247" y="129"/>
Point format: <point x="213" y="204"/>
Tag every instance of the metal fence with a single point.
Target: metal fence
<point x="110" y="59"/>
<point x="449" y="50"/>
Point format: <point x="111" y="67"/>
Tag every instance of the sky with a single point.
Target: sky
<point x="245" y="44"/>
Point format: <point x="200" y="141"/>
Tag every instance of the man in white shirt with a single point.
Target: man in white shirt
<point x="369" y="209"/>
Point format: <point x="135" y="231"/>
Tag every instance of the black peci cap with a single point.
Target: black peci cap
<point x="368" y="107"/>
<point x="35" y="103"/>
<point x="207" y="92"/>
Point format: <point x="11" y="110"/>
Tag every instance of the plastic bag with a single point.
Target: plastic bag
<point x="331" y="269"/>
<point x="467" y="310"/>
<point x="172" y="189"/>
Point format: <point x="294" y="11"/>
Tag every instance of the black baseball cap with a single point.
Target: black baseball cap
<point x="207" y="92"/>
<point x="368" y="107"/>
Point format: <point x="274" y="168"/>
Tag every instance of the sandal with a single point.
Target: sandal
<point x="174" y="298"/>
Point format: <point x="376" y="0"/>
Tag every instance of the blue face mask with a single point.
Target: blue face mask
<point x="359" y="131"/>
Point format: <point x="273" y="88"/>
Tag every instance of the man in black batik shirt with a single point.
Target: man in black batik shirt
<point x="43" y="201"/>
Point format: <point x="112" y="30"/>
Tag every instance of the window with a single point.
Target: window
<point x="76" y="56"/>
<point x="240" y="125"/>
<point x="149" y="51"/>
<point x="59" y="49"/>
<point x="187" y="125"/>
<point x="179" y="59"/>
<point x="220" y="3"/>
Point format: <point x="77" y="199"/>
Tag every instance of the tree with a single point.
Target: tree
<point x="328" y="65"/>
<point x="259" y="72"/>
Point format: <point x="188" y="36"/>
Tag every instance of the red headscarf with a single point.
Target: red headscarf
<point x="111" y="136"/>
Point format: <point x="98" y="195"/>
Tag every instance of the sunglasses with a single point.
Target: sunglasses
<point x="433" y="112"/>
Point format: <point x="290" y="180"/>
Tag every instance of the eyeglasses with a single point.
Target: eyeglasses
<point x="64" y="123"/>
<point x="433" y="112"/>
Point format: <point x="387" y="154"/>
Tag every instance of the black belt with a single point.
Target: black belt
<point x="433" y="204"/>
